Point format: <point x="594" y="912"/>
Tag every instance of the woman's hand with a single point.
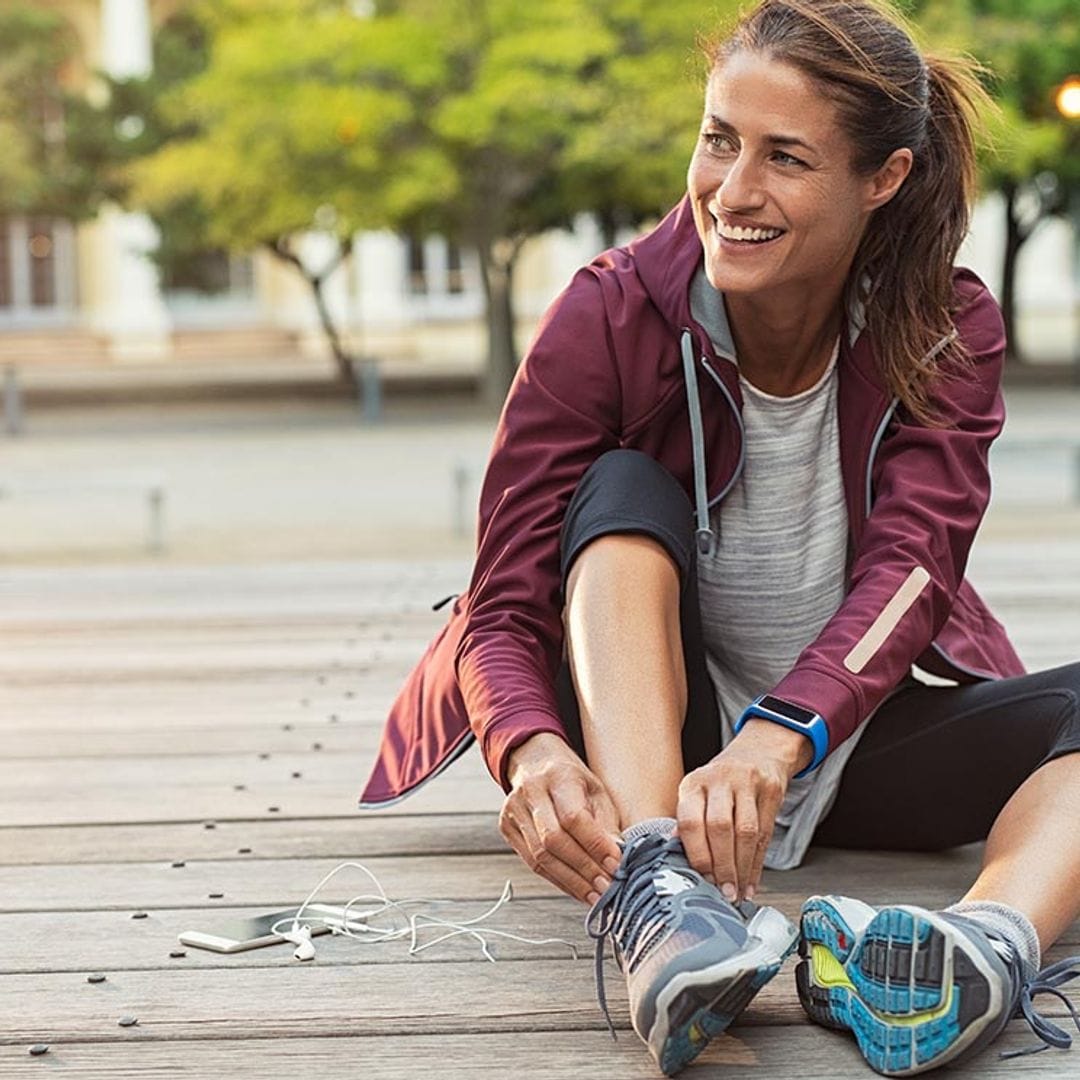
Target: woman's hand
<point x="727" y="809"/>
<point x="560" y="818"/>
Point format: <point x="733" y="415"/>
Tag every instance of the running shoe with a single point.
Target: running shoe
<point x="918" y="988"/>
<point x="692" y="960"/>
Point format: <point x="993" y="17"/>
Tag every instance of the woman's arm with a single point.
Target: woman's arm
<point x="932" y="487"/>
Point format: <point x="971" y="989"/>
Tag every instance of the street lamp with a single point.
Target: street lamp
<point x="1067" y="98"/>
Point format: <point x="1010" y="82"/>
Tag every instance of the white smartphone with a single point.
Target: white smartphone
<point x="254" y="932"/>
<point x="241" y="934"/>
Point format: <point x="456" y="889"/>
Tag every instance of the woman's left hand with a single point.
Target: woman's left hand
<point x="727" y="809"/>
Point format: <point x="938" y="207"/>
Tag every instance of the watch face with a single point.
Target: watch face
<point x="785" y="708"/>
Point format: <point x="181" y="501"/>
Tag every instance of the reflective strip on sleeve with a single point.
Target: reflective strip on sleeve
<point x="867" y="646"/>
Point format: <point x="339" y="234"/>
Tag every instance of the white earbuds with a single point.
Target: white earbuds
<point x="300" y="936"/>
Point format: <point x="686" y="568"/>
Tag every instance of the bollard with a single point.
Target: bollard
<point x="461" y="484"/>
<point x="369" y="389"/>
<point x="13" y="412"/>
<point x="155" y="542"/>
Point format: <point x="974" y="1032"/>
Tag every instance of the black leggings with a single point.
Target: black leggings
<point x="935" y="765"/>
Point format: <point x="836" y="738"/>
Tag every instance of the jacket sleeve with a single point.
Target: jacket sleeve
<point x="932" y="487"/>
<point x="563" y="411"/>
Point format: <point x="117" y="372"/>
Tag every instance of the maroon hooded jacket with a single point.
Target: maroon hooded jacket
<point x="606" y="370"/>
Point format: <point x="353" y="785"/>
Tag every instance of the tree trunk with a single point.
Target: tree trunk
<point x="609" y="226"/>
<point x="497" y="261"/>
<point x="343" y="359"/>
<point x="1014" y="240"/>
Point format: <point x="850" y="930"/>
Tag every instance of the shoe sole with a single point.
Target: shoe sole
<point x="697" y="1006"/>
<point x="913" y="988"/>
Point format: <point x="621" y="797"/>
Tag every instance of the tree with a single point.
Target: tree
<point x="552" y="110"/>
<point x="53" y="161"/>
<point x="304" y="117"/>
<point x="1030" y="46"/>
<point x="485" y="120"/>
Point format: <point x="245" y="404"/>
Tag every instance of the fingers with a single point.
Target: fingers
<point x="747" y="835"/>
<point x="548" y="864"/>
<point x="564" y="834"/>
<point x="726" y="827"/>
<point x="691" y="828"/>
<point x="768" y="807"/>
<point x="720" y="829"/>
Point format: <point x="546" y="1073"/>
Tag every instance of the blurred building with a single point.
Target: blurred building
<point x="88" y="294"/>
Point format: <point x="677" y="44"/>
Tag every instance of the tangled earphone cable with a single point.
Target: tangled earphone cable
<point x="354" y="924"/>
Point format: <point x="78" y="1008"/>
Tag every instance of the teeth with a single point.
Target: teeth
<point x="739" y="233"/>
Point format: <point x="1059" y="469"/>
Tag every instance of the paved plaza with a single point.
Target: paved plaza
<point x="306" y="479"/>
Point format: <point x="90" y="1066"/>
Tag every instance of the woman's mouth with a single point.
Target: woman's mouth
<point x="740" y="238"/>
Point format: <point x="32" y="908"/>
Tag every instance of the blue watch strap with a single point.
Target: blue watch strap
<point x="795" y="717"/>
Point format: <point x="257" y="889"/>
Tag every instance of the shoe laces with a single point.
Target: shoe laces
<point x="632" y="911"/>
<point x="1048" y="981"/>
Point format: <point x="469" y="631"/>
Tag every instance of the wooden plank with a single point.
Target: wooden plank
<point x="111" y="941"/>
<point x="158" y="741"/>
<point x="876" y="877"/>
<point x="86" y="941"/>
<point x="122" y="790"/>
<point x="268" y="699"/>
<point x="763" y="1053"/>
<point x="354" y="836"/>
<point x="272" y="883"/>
<point x="292" y="999"/>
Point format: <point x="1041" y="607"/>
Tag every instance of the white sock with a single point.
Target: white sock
<point x="1012" y="925"/>
<point x="665" y="826"/>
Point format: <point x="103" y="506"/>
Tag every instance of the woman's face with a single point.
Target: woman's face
<point x="798" y="186"/>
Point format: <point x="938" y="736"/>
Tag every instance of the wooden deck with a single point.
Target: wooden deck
<point x="225" y="719"/>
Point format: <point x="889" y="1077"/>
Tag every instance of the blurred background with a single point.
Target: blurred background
<point x="267" y="266"/>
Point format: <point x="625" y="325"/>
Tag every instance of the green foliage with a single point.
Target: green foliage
<point x="52" y="160"/>
<point x="484" y="119"/>
<point x="300" y="107"/>
<point x="1031" y="47"/>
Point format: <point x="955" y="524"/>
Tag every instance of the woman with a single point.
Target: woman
<point x="729" y="507"/>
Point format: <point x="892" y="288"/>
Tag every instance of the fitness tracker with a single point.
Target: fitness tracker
<point x="806" y="721"/>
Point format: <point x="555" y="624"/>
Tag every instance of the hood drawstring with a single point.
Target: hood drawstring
<point x="704" y="535"/>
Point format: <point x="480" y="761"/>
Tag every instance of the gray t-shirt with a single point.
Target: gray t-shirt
<point x="777" y="572"/>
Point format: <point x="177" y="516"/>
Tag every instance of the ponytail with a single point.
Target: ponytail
<point x="888" y="96"/>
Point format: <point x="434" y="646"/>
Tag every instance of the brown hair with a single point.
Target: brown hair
<point x="889" y="95"/>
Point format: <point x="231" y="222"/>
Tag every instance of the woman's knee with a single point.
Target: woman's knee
<point x="626" y="491"/>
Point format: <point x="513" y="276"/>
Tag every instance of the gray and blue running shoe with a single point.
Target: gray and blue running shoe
<point x="692" y="960"/>
<point x="918" y="988"/>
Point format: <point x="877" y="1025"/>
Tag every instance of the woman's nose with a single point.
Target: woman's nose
<point x="741" y="187"/>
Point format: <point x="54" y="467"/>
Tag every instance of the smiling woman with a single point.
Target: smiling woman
<point x="725" y="521"/>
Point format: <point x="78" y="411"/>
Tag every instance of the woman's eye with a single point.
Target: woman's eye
<point x="714" y="139"/>
<point x="718" y="141"/>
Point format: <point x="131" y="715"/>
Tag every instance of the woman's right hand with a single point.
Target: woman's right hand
<point x="560" y="818"/>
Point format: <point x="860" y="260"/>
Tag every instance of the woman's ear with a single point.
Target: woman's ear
<point x="886" y="182"/>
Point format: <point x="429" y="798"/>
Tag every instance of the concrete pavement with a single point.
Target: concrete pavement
<point x="284" y="480"/>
